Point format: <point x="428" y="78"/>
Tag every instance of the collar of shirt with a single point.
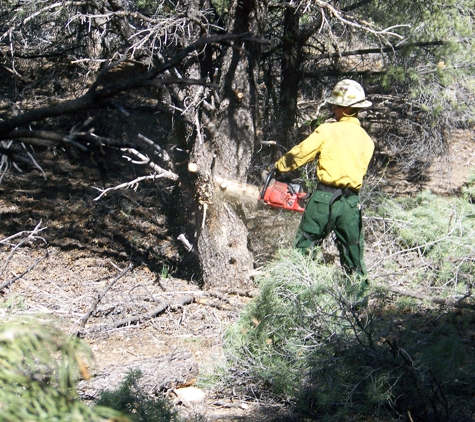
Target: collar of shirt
<point x="350" y="119"/>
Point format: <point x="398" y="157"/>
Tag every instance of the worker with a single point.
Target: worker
<point x="343" y="151"/>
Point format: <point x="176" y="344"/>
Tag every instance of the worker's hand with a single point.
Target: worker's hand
<point x="269" y="169"/>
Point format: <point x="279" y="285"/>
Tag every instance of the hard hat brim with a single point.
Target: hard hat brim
<point x="361" y="104"/>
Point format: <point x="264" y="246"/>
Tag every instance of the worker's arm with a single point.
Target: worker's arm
<point x="300" y="154"/>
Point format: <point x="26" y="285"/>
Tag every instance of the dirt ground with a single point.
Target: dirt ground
<point x="72" y="250"/>
<point x="113" y="272"/>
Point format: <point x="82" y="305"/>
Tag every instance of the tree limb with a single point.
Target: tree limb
<point x="146" y="161"/>
<point x="31" y="236"/>
<point x="456" y="303"/>
<point x="32" y="266"/>
<point x="92" y="97"/>
<point x="387" y="49"/>
<point x="132" y="184"/>
<point x="186" y="300"/>
<point x="102" y="294"/>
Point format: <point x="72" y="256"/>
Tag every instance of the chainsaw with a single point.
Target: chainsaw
<point x="282" y="194"/>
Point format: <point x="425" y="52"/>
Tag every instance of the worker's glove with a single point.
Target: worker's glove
<point x="269" y="169"/>
<point x="272" y="168"/>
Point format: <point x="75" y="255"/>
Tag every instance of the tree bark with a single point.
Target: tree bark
<point x="294" y="38"/>
<point x="224" y="149"/>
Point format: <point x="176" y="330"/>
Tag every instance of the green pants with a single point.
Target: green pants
<point x="344" y="218"/>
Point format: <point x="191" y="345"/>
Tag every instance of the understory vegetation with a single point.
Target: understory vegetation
<point x="314" y="339"/>
<point x="331" y="346"/>
<point x="39" y="371"/>
<point x="132" y="400"/>
<point x="392" y="350"/>
<point x="40" y="366"/>
<point x="183" y="93"/>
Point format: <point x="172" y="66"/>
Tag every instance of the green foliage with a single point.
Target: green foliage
<point x="314" y="123"/>
<point x="39" y="368"/>
<point x="468" y="191"/>
<point x="308" y="176"/>
<point x="438" y="230"/>
<point x="145" y="3"/>
<point x="131" y="400"/>
<point x="165" y="272"/>
<point x="13" y="302"/>
<point x="304" y="338"/>
<point x="222" y="6"/>
<point x="297" y="310"/>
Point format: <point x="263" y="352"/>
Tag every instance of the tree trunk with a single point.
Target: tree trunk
<point x="294" y="39"/>
<point x="291" y="76"/>
<point x="224" y="148"/>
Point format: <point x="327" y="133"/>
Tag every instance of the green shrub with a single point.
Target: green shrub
<point x="298" y="310"/>
<point x="304" y="338"/>
<point x="39" y="368"/>
<point x="468" y="191"/>
<point x="440" y="231"/>
<point x="130" y="399"/>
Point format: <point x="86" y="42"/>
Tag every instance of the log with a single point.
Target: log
<point x="456" y="303"/>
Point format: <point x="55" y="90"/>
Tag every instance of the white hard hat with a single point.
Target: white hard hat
<point x="348" y="93"/>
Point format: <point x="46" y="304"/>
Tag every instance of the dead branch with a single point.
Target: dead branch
<point x="456" y="303"/>
<point x="31" y="267"/>
<point x="102" y="294"/>
<point x="159" y="150"/>
<point x="32" y="236"/>
<point x="379" y="50"/>
<point x="144" y="160"/>
<point x="415" y="248"/>
<point x="219" y="296"/>
<point x="132" y="184"/>
<point x="186" y="300"/>
<point x="214" y="304"/>
<point x="159" y="373"/>
<point x="91" y="98"/>
<point x="237" y="292"/>
<point x="182" y="238"/>
<point x="8" y="239"/>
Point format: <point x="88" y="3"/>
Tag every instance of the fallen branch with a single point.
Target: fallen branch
<point x="159" y="150"/>
<point x="32" y="266"/>
<point x="415" y="248"/>
<point x="456" y="303"/>
<point x="13" y="236"/>
<point x="31" y="236"/>
<point x="144" y="160"/>
<point x="102" y="294"/>
<point x="237" y="292"/>
<point x="147" y="315"/>
<point x="214" y="304"/>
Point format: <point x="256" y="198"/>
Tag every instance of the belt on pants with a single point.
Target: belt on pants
<point x="332" y="189"/>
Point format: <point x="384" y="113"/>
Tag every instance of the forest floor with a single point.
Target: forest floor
<point x="152" y="314"/>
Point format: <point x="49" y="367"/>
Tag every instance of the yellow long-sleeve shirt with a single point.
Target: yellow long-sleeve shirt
<point x="344" y="151"/>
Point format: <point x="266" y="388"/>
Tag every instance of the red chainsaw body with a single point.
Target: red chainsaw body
<point x="280" y="195"/>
